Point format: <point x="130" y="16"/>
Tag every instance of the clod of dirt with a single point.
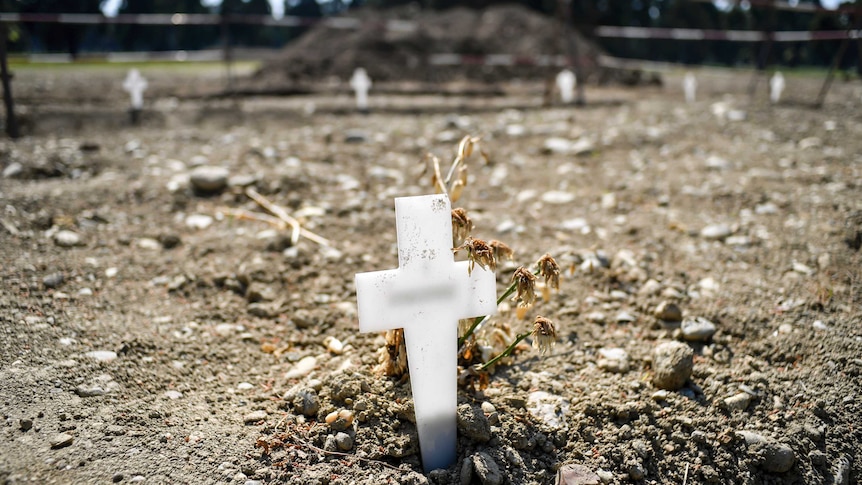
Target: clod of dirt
<point x="672" y="363"/>
<point x="473" y="424"/>
<point x="486" y="469"/>
<point x="306" y="402"/>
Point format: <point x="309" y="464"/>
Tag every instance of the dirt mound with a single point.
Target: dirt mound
<point x="395" y="54"/>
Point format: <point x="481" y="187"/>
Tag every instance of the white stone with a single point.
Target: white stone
<point x="427" y="295"/>
<point x="333" y="345"/>
<point x="199" y="221"/>
<point x="302" y="368"/>
<point x="173" y="394"/>
<point x="548" y="408"/>
<point x="716" y="231"/>
<point x="102" y="355"/>
<point x="557" y="197"/>
<point x="67" y="239"/>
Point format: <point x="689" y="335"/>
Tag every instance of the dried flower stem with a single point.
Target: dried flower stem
<point x="478" y="320"/>
<point x="286" y="218"/>
<point x="506" y="352"/>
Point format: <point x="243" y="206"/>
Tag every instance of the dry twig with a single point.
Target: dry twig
<point x="281" y="216"/>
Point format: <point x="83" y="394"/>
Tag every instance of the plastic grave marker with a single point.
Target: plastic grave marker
<point x="689" y="85"/>
<point x="426" y="296"/>
<point x="776" y="86"/>
<point x="361" y="83"/>
<point x="135" y="84"/>
<point x="566" y="82"/>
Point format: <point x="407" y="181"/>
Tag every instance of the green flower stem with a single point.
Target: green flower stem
<point x="478" y="320"/>
<point x="506" y="352"/>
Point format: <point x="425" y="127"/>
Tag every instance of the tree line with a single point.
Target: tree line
<point x="585" y="14"/>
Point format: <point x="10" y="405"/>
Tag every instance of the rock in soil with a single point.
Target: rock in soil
<point x="697" y="329"/>
<point x="473" y="424"/>
<point x="672" y="364"/>
<point x="61" y="440"/>
<point x="486" y="469"/>
<point x="209" y="179"/>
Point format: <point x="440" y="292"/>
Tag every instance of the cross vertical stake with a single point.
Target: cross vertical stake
<point x="426" y="296"/>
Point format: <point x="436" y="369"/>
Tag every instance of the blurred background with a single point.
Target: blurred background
<point x="273" y="24"/>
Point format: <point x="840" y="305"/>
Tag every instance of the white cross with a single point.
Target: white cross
<point x="566" y="82"/>
<point x="426" y="296"/>
<point x="689" y="85"/>
<point x="135" y="84"/>
<point x="776" y="86"/>
<point x="361" y="83"/>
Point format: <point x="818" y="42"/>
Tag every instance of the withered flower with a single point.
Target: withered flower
<point x="478" y="252"/>
<point x="525" y="284"/>
<point x="544" y="334"/>
<point x="501" y="250"/>
<point x="462" y="226"/>
<point x="550" y="271"/>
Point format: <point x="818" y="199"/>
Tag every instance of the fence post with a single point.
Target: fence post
<point x="11" y="120"/>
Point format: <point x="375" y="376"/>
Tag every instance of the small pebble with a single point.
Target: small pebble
<point x="344" y="441"/>
<point x="488" y="408"/>
<point x="697" y="329"/>
<point x="614" y="360"/>
<point x="637" y="472"/>
<point x="668" y="311"/>
<point x="88" y="391"/>
<point x="209" y="179"/>
<point x="778" y="458"/>
<point x="672" y="364"/>
<point x="716" y="232"/>
<point x="25" y="424"/>
<point x="651" y="287"/>
<point x="198" y="221"/>
<point x="333" y="345"/>
<point x="53" y="280"/>
<point x="173" y="394"/>
<point x="61" y="440"/>
<point x="254" y="417"/>
<point x="67" y="239"/>
<point x="306" y="402"/>
<point x="102" y="355"/>
<point x="302" y="368"/>
<point x="340" y="420"/>
<point x="738" y="402"/>
<point x="577" y="475"/>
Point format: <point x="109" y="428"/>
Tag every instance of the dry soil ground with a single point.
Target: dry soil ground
<point x="148" y="337"/>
